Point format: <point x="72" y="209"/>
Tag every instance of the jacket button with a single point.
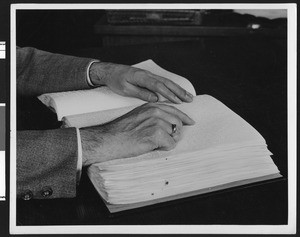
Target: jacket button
<point x="46" y="192"/>
<point x="27" y="195"/>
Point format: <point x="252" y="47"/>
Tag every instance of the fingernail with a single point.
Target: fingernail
<point x="189" y="95"/>
<point x="193" y="121"/>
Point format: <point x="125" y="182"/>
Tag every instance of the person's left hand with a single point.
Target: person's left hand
<point x="133" y="82"/>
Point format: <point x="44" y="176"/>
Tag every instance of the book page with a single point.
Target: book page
<point x="102" y="98"/>
<point x="220" y="148"/>
<point x="217" y="128"/>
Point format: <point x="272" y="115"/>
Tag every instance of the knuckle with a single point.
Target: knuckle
<point x="152" y="144"/>
<point x="139" y="73"/>
<point x="123" y="83"/>
<point x="125" y="90"/>
<point x="158" y="132"/>
<point x="157" y="84"/>
<point x="171" y="145"/>
<point x="159" y="123"/>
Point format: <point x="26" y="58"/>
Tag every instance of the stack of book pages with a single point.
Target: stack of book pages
<point x="220" y="151"/>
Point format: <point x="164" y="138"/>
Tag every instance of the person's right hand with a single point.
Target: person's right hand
<point x="144" y="129"/>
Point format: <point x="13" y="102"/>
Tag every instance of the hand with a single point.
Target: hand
<point x="144" y="129"/>
<point x="129" y="81"/>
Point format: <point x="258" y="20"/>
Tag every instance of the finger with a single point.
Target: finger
<point x="169" y="117"/>
<point x="163" y="140"/>
<point x="162" y="85"/>
<point x="175" y="88"/>
<point x="163" y="124"/>
<point x="159" y="87"/>
<point x="145" y="80"/>
<point x="186" y="120"/>
<point x="176" y="136"/>
<point x="154" y="112"/>
<point x="141" y="93"/>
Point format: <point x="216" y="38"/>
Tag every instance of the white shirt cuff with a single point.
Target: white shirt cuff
<point x="79" y="161"/>
<point x="88" y="79"/>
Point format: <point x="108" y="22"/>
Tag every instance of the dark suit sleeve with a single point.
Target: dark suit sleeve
<point x="48" y="159"/>
<point x="40" y="72"/>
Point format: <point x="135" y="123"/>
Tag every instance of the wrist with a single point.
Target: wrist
<point x="94" y="145"/>
<point x="100" y="72"/>
<point x="88" y="149"/>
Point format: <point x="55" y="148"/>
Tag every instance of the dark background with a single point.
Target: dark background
<point x="69" y="31"/>
<point x="62" y="31"/>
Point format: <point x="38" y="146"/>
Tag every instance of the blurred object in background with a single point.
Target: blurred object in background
<point x="246" y="18"/>
<point x="156" y="17"/>
<point x="267" y="13"/>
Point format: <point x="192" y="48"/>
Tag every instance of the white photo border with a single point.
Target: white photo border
<point x="290" y="228"/>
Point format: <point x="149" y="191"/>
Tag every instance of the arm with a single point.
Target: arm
<point x="41" y="72"/>
<point x="47" y="159"/>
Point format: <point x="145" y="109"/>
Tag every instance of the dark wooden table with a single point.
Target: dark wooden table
<point x="249" y="75"/>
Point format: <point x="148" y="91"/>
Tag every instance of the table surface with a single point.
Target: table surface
<point x="249" y="75"/>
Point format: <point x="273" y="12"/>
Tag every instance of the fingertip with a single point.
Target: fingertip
<point x="189" y="97"/>
<point x="152" y="97"/>
<point x="188" y="120"/>
<point x="191" y="121"/>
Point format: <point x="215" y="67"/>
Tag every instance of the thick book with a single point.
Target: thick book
<point x="220" y="151"/>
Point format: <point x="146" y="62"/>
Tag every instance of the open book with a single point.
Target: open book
<point x="220" y="151"/>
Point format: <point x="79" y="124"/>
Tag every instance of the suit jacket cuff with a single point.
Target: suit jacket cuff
<point x="79" y="161"/>
<point x="47" y="158"/>
<point x="88" y="79"/>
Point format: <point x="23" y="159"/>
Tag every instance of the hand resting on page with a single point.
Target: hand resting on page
<point x="134" y="82"/>
<point x="144" y="129"/>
